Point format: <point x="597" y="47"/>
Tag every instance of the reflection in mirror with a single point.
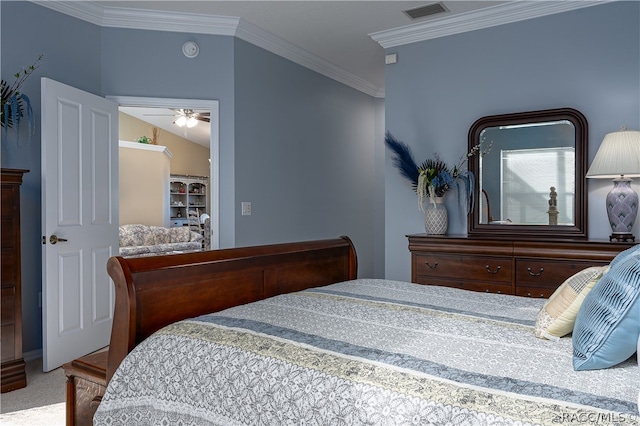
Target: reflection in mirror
<point x="517" y="174"/>
<point x="531" y="183"/>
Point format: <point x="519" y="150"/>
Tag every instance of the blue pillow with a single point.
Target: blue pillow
<point x="607" y="327"/>
<point x="623" y="254"/>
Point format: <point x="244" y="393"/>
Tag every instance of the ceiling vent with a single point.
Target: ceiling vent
<point x="428" y="10"/>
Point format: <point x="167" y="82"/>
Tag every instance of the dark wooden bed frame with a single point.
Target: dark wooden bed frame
<point x="152" y="292"/>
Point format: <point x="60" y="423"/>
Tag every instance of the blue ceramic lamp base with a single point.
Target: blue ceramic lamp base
<point x="622" y="209"/>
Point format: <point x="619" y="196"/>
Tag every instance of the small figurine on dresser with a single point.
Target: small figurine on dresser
<point x="553" y="207"/>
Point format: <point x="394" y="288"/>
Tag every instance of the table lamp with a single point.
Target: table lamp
<point x="619" y="158"/>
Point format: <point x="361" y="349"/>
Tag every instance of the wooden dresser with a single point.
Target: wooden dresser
<point x="12" y="370"/>
<point x="523" y="268"/>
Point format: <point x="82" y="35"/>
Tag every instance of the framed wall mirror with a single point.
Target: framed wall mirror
<point x="531" y="183"/>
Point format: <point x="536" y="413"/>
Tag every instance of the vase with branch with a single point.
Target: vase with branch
<point x="15" y="105"/>
<point x="432" y="179"/>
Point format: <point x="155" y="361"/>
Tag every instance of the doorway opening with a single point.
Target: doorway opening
<point x="163" y="113"/>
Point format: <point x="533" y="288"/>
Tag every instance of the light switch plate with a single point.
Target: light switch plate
<point x="246" y="208"/>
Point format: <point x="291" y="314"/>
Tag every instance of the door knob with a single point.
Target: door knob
<point x="54" y="239"/>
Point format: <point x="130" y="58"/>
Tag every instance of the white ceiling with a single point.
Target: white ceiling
<point x="336" y="31"/>
<point x="344" y="40"/>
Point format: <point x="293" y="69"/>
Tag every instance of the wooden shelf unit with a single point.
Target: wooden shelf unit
<point x="187" y="193"/>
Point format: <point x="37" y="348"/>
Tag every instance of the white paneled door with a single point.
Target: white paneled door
<point x="79" y="220"/>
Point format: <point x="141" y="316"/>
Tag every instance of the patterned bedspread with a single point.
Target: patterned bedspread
<point x="366" y="352"/>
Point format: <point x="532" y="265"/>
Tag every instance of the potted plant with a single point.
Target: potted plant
<point x="15" y="105"/>
<point x="433" y="179"/>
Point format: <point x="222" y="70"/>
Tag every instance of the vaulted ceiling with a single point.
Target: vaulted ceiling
<point x="344" y="40"/>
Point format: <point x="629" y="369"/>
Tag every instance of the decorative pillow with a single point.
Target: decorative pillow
<point x="607" y="327"/>
<point x="623" y="254"/>
<point x="557" y="316"/>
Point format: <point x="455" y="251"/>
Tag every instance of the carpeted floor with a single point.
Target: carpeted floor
<point x="49" y="415"/>
<point x="40" y="403"/>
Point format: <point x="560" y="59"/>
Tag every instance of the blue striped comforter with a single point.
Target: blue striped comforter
<point x="366" y="352"/>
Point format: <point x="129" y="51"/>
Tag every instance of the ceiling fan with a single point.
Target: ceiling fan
<point x="187" y="117"/>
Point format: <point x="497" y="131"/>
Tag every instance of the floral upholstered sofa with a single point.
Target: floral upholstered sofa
<point x="137" y="239"/>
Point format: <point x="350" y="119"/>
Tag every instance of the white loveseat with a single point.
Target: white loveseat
<point x="137" y="239"/>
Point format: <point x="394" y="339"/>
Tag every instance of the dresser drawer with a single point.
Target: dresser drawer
<point x="548" y="274"/>
<point x="475" y="268"/>
<point x="486" y="286"/>
<point x="533" y="268"/>
<point x="536" y="292"/>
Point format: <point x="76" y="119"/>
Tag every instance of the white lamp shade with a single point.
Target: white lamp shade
<point x="619" y="154"/>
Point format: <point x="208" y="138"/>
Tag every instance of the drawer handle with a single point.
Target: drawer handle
<point x="495" y="271"/>
<point x="435" y="265"/>
<point x="95" y="401"/>
<point x="534" y="274"/>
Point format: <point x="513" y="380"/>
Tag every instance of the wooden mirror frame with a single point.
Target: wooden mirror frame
<point x="577" y="231"/>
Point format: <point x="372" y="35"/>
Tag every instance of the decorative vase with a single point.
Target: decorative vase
<point x="622" y="207"/>
<point x="436" y="218"/>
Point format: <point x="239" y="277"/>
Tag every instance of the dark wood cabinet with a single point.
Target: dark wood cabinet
<point x="524" y="268"/>
<point x="12" y="369"/>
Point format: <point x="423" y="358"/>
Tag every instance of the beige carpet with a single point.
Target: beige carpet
<point x="49" y="415"/>
<point x="40" y="403"/>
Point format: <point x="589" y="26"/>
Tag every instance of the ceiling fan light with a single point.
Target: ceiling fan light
<point x="181" y="121"/>
<point x="191" y="121"/>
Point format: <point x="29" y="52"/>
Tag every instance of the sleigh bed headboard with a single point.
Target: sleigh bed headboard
<point x="152" y="292"/>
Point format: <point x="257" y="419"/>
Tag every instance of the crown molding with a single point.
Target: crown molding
<point x="141" y="19"/>
<point x="207" y="24"/>
<point x="86" y="11"/>
<point x="490" y="17"/>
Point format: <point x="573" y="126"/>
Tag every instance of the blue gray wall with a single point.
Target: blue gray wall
<point x="304" y="154"/>
<point x="151" y="64"/>
<point x="72" y="56"/>
<point x="588" y="59"/>
<point x="300" y="146"/>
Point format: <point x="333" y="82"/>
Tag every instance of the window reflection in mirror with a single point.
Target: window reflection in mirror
<point x="530" y="152"/>
<point x="516" y="176"/>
